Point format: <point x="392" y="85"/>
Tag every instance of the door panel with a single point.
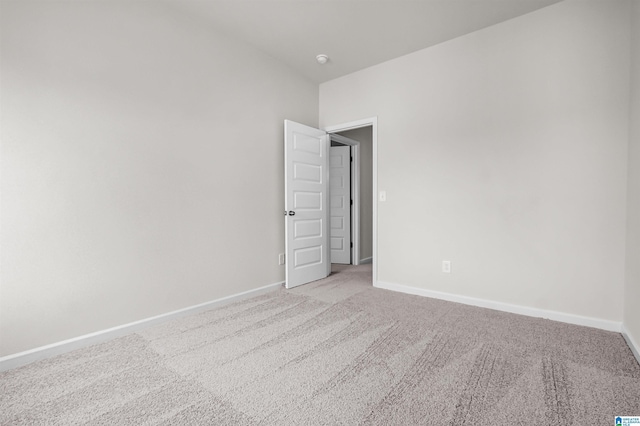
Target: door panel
<point x="307" y="228"/>
<point x="340" y="171"/>
<point x="306" y="195"/>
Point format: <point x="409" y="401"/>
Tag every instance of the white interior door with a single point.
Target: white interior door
<point x="340" y="215"/>
<point x="306" y="204"/>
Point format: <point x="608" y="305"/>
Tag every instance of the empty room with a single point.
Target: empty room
<point x="460" y="182"/>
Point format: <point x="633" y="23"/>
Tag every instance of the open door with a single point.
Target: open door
<point x="340" y="204"/>
<point x="306" y="176"/>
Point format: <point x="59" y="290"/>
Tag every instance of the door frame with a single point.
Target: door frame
<point x="355" y="193"/>
<point x="366" y="122"/>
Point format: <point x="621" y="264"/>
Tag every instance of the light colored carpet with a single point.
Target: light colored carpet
<point x="337" y="351"/>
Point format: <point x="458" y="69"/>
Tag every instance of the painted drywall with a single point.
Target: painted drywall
<point x="364" y="136"/>
<point x="504" y="152"/>
<point x="142" y="166"/>
<point x="632" y="285"/>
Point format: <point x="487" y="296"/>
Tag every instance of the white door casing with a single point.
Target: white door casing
<point x="340" y="202"/>
<point x="306" y="204"/>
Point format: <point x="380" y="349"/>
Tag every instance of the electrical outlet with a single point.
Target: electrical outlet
<point x="383" y="195"/>
<point x="281" y="259"/>
<point x="446" y="266"/>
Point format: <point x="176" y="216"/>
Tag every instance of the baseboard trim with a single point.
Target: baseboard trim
<point x="506" y="307"/>
<point x="366" y="260"/>
<point x="633" y="345"/>
<point x="23" y="358"/>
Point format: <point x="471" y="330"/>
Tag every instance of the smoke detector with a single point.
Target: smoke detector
<point x="322" y="59"/>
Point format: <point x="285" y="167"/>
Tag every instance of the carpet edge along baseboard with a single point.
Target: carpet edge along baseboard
<point x="19" y="359"/>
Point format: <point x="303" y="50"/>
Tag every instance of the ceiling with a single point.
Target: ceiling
<point x="355" y="34"/>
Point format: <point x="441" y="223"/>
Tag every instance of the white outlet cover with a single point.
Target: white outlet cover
<point x="383" y="195"/>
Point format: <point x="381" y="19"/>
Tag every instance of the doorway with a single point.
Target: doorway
<point x="346" y="221"/>
<point x="364" y="131"/>
<point x="362" y="222"/>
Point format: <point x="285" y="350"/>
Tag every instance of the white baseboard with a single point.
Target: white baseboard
<point x="633" y="345"/>
<point x="366" y="260"/>
<point x="22" y="358"/>
<point x="506" y="307"/>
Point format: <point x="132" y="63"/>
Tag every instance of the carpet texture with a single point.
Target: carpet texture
<point x="337" y="351"/>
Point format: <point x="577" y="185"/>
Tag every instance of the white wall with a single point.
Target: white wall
<point x="365" y="137"/>
<point x="632" y="289"/>
<point x="141" y="166"/>
<point x="504" y="151"/>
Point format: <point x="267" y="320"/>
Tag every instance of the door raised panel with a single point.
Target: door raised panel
<point x="337" y="201"/>
<point x="307" y="257"/>
<point x="337" y="181"/>
<point x="305" y="143"/>
<point x="307" y="228"/>
<point x="337" y="222"/>
<point x="337" y="243"/>
<point x="304" y="200"/>
<point x="307" y="172"/>
<point x="336" y="162"/>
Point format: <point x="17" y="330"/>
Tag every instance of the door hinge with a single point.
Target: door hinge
<point x="351" y="202"/>
<point x="351" y="245"/>
<point x="351" y="159"/>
